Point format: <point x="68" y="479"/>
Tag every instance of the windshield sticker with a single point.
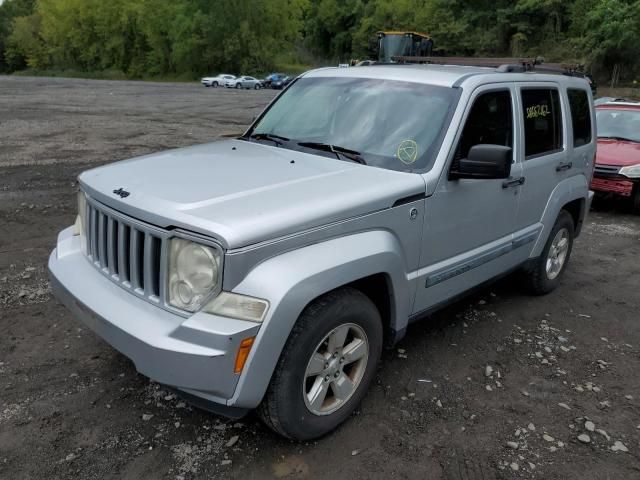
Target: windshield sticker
<point x="407" y="152"/>
<point x="538" y="111"/>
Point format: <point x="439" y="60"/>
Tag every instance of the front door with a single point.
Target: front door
<point x="469" y="223"/>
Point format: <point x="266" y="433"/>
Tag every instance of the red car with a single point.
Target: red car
<point x="617" y="169"/>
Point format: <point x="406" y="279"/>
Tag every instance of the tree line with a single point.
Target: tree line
<point x="147" y="38"/>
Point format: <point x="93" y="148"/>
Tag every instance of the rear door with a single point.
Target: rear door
<point x="544" y="157"/>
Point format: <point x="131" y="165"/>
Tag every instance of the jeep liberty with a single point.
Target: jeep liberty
<point x="267" y="272"/>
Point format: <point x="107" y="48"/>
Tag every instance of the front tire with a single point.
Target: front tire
<point x="214" y="84"/>
<point x="544" y="273"/>
<point x="325" y="367"/>
<point x="238" y="85"/>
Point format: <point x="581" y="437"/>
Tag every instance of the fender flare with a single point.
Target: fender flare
<point x="292" y="280"/>
<point x="568" y="190"/>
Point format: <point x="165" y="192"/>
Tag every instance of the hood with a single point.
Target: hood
<point x="243" y="193"/>
<point x="617" y="152"/>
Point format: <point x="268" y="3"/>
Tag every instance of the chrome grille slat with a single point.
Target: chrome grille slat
<point x="607" y="170"/>
<point x="112" y="252"/>
<point x="94" y="234"/>
<point x="130" y="253"/>
<point x="135" y="269"/>
<point x="87" y="230"/>
<point x="102" y="240"/>
<point x="150" y="270"/>
<point x="147" y="269"/>
<point x="123" y="257"/>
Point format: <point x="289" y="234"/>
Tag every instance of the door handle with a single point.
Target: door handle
<point x="513" y="182"/>
<point x="564" y="166"/>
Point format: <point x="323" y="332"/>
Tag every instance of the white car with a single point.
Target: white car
<point x="244" y="82"/>
<point x="217" y="81"/>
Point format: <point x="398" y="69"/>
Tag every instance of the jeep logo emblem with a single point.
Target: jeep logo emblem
<point x="121" y="192"/>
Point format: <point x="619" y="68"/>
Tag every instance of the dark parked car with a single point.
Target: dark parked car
<point x="281" y="83"/>
<point x="272" y="77"/>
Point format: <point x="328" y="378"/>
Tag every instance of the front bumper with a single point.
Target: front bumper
<point x="195" y="354"/>
<point x="612" y="185"/>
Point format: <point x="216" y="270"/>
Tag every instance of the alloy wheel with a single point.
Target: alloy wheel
<point x="557" y="253"/>
<point x="335" y="369"/>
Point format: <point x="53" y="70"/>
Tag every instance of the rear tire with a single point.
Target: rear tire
<point x="544" y="273"/>
<point x="635" y="199"/>
<point x="326" y="366"/>
<point x="257" y="87"/>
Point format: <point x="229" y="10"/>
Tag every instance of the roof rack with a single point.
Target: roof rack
<point x="502" y="64"/>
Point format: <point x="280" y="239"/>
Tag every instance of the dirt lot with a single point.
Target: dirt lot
<point x="73" y="408"/>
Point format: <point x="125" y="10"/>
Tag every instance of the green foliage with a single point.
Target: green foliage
<point x="611" y="31"/>
<point x="184" y="38"/>
<point x="9" y="11"/>
<point x="149" y="37"/>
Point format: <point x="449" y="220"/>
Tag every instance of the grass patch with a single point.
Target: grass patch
<point x="292" y="68"/>
<point x="632" y="93"/>
<point x="106" y="75"/>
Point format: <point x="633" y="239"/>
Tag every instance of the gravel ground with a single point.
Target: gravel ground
<point x="501" y="385"/>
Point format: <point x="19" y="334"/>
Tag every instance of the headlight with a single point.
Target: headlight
<point x="237" y="306"/>
<point x="632" y="171"/>
<point x="194" y="273"/>
<point x="79" y="227"/>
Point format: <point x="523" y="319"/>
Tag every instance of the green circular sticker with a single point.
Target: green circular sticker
<point x="407" y="151"/>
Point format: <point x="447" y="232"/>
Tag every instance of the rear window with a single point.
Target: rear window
<point x="542" y="121"/>
<point x="580" y="116"/>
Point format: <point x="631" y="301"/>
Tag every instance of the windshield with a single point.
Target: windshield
<point x="393" y="46"/>
<point x="388" y="124"/>
<point x="618" y="123"/>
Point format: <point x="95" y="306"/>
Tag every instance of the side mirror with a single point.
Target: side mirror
<point x="485" y="161"/>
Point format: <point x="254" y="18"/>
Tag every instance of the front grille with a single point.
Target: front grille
<point x="128" y="252"/>
<point x="606" y="170"/>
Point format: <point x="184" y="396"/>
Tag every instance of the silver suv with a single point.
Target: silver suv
<point x="269" y="271"/>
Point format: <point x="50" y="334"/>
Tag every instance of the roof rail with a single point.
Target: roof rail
<point x="501" y="64"/>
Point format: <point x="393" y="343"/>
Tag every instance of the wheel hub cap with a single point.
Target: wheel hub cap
<point x="557" y="254"/>
<point x="335" y="369"/>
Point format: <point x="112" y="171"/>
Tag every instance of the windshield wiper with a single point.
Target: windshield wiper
<point x="340" y="152"/>
<point x="624" y="139"/>
<point x="277" y="139"/>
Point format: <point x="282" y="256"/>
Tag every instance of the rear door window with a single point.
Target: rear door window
<point x="580" y="116"/>
<point x="542" y="121"/>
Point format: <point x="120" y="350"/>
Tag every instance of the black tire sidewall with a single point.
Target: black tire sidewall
<point x="545" y="284"/>
<point x="347" y="307"/>
<point x="635" y="198"/>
